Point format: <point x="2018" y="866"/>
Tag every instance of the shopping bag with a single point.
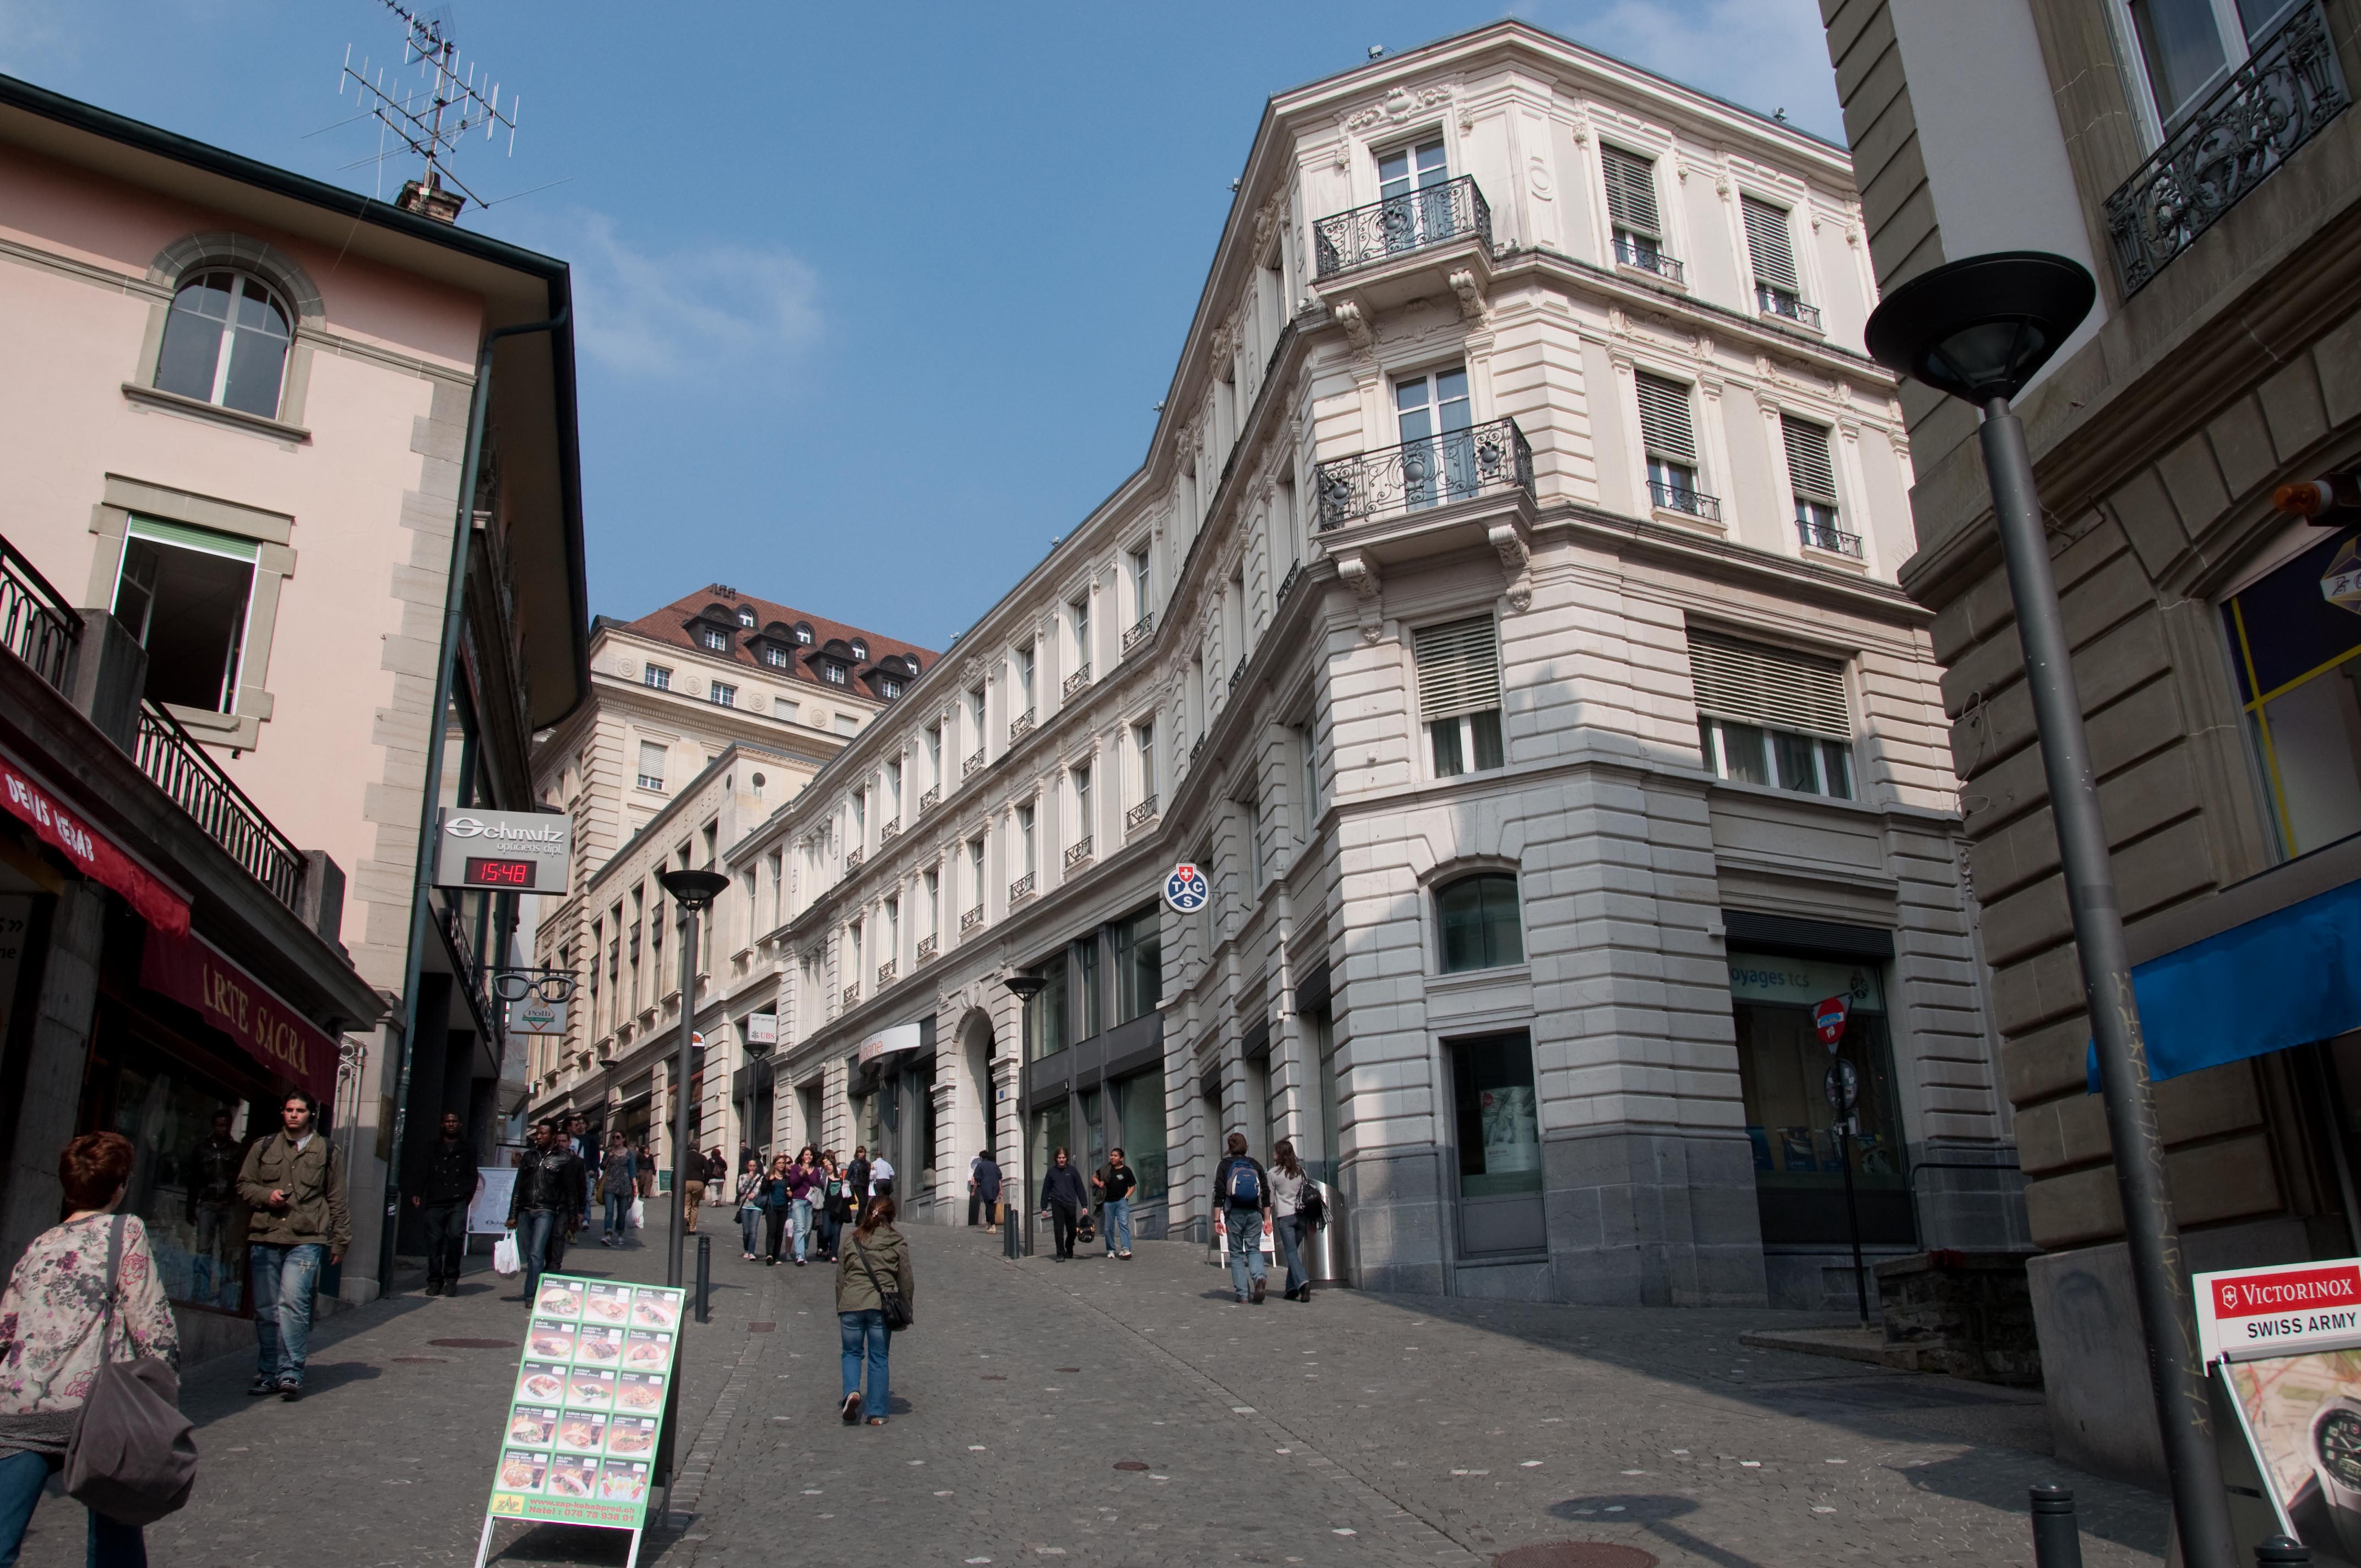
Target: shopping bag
<point x="639" y="1213"/>
<point x="505" y="1259"/>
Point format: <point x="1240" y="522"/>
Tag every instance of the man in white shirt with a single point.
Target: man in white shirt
<point x="881" y="1177"/>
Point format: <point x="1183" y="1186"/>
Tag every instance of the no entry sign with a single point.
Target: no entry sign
<point x="1829" y="1018"/>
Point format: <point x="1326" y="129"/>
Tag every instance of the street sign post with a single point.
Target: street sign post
<point x="1843" y="1088"/>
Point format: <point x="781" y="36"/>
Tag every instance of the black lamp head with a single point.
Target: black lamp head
<point x="1025" y="986"/>
<point x="1978" y="328"/>
<point x="694" y="890"/>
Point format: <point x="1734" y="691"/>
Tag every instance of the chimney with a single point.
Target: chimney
<point x="431" y="200"/>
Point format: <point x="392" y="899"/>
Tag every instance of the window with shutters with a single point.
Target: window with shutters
<point x="1778" y="290"/>
<point x="1812" y="477"/>
<point x="652" y="766"/>
<point x="1670" y="439"/>
<point x="1631" y="213"/>
<point x="1459" y="695"/>
<point x="1766" y="716"/>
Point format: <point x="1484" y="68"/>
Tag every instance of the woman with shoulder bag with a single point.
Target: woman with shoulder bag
<point x="750" y="1207"/>
<point x="58" y="1334"/>
<point x="875" y="1287"/>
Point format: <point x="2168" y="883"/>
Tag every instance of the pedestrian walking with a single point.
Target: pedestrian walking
<point x="1062" y="1202"/>
<point x="982" y="1187"/>
<point x="750" y="1207"/>
<point x="831" y="1204"/>
<point x="692" y="1190"/>
<point x="1241" y="1186"/>
<point x="547" y="1203"/>
<point x="880" y="1176"/>
<point x="295" y="1185"/>
<point x="576" y="1135"/>
<point x="212" y="1209"/>
<point x="775" y="1206"/>
<point x="856" y="1180"/>
<point x="717" y="1180"/>
<point x="803" y="1188"/>
<point x="618" y="1183"/>
<point x="1115" y="1182"/>
<point x="1287" y="1185"/>
<point x="875" y="1259"/>
<point x="444" y="1190"/>
<point x="647" y="1169"/>
<point x="50" y="1357"/>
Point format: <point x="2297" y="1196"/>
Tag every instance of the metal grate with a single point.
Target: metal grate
<point x="970" y="768"/>
<point x="1430" y="472"/>
<point x="1458" y="668"/>
<point x="972" y="919"/>
<point x="851" y="995"/>
<point x="1077" y="681"/>
<point x="1680" y="497"/>
<point x="1020" y="726"/>
<point x="1021" y="888"/>
<point x="1144" y="812"/>
<point x="1755" y="684"/>
<point x="1664" y="420"/>
<point x="1139" y="633"/>
<point x="1432" y="215"/>
<point x="885" y="976"/>
<point x="926" y="946"/>
<point x="1077" y="852"/>
<point x="929" y="800"/>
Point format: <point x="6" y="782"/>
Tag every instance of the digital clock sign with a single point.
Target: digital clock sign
<point x="482" y="871"/>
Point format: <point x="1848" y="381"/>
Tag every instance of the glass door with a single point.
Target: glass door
<point x="1498" y="1120"/>
<point x="1438" y="455"/>
<point x="1410" y="182"/>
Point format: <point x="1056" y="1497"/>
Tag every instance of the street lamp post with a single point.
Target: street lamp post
<point x="693" y="890"/>
<point x="1024" y="987"/>
<point x="1978" y="329"/>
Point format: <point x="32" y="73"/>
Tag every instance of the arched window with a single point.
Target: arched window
<point x="860" y="651"/>
<point x="911" y="661"/>
<point x="226" y="342"/>
<point x="803" y="634"/>
<point x="745" y="615"/>
<point x="1477" y="920"/>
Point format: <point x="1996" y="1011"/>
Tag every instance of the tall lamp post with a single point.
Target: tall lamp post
<point x="1024" y="987"/>
<point x="1979" y="329"/>
<point x="693" y="890"/>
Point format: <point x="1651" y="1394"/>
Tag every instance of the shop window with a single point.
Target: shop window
<point x="1783" y="1072"/>
<point x="1459" y="694"/>
<point x="184" y="593"/>
<point x="1767" y="716"/>
<point x="187" y="1131"/>
<point x="1495" y="1118"/>
<point x="1139" y="1123"/>
<point x="1477" y="923"/>
<point x="1139" y="966"/>
<point x="2293" y="638"/>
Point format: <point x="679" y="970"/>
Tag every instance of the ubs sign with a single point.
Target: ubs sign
<point x="519" y="851"/>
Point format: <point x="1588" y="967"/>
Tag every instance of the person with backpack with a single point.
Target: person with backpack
<point x="875" y="1262"/>
<point x="1242" y="1188"/>
<point x="1063" y="1200"/>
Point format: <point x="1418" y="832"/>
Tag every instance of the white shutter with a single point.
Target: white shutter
<point x="652" y="760"/>
<point x="1665" y="418"/>
<point x="1755" y="684"/>
<point x="1807" y="459"/>
<point x="1631" y="191"/>
<point x="1458" y="668"/>
<point x="1767" y="243"/>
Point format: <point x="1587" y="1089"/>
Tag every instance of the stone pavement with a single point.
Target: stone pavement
<point x="1357" y="1430"/>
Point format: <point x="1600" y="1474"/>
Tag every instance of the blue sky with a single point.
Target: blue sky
<point x="875" y="301"/>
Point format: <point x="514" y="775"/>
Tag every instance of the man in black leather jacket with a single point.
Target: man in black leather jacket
<point x="548" y="1200"/>
<point x="447" y="1186"/>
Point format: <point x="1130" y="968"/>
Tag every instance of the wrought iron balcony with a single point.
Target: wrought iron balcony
<point x="1020" y="727"/>
<point x="1779" y="302"/>
<point x="974" y="765"/>
<point x="36" y="622"/>
<point x="1144" y="812"/>
<point x="1077" y="852"/>
<point x="1237" y="673"/>
<point x="1680" y="497"/>
<point x="1139" y="633"/>
<point x="1286" y="584"/>
<point x="885" y="976"/>
<point x="1021" y="888"/>
<point x="852" y="994"/>
<point x="176" y="765"/>
<point x="1821" y="536"/>
<point x="926" y="946"/>
<point x="1425" y="473"/>
<point x="1077" y="681"/>
<point x="852" y="860"/>
<point x="1194" y="747"/>
<point x="929" y="800"/>
<point x="1641" y="256"/>
<point x="1433" y="214"/>
<point x="891" y="831"/>
<point x="2290" y="87"/>
<point x="970" y="920"/>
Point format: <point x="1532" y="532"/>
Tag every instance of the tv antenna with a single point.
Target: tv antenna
<point x="430" y="116"/>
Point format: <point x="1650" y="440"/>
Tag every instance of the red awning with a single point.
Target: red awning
<point x="92" y="853"/>
<point x="188" y="970"/>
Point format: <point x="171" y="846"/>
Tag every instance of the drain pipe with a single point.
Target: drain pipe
<point x="455" y="610"/>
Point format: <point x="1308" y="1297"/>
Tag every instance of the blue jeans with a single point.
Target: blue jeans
<point x="284" y="1281"/>
<point x="1288" y="1228"/>
<point x="861" y="1328"/>
<point x="619" y="1213"/>
<point x="802" y="1216"/>
<point x="831" y="1224"/>
<point x="1117" y="1218"/>
<point x="1245" y="1227"/>
<point x="535" y="1229"/>
<point x="112" y="1544"/>
<point x="750" y="1230"/>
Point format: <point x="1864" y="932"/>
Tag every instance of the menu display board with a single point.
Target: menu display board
<point x="588" y="1405"/>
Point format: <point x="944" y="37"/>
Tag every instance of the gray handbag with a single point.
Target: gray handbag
<point x="133" y="1455"/>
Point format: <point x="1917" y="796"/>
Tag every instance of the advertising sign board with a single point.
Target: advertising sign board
<point x="531" y="1016"/>
<point x="2283" y="1347"/>
<point x="515" y="851"/>
<point x="1186" y="890"/>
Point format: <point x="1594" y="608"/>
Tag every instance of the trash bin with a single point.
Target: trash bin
<point x="1325" y="1249"/>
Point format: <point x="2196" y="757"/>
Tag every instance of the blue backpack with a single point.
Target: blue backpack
<point x="1245" y="1184"/>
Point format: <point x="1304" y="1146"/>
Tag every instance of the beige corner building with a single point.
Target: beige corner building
<point x="2197" y="157"/>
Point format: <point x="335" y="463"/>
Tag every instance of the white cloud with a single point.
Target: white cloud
<point x="1765" y="54"/>
<point x="662" y="314"/>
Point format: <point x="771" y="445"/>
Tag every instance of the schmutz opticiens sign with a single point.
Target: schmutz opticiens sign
<point x="520" y="851"/>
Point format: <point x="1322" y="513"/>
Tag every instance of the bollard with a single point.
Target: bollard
<point x="1009" y="1246"/>
<point x="2057" y="1539"/>
<point x="2280" y="1551"/>
<point x="703" y="1278"/>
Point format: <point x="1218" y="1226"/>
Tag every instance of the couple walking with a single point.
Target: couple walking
<point x="1286" y="1201"/>
<point x="1064" y="1203"/>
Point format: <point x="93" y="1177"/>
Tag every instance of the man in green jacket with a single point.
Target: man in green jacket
<point x="295" y="1185"/>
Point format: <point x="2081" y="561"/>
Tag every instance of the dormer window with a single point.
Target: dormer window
<point x="746" y="615"/>
<point x="910" y="663"/>
<point x="803" y="634"/>
<point x="860" y="651"/>
<point x="775" y="657"/>
<point x="715" y="639"/>
<point x="833" y="674"/>
<point x="892" y="688"/>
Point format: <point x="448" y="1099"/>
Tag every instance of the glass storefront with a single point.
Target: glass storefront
<point x="1784" y="1074"/>
<point x="2292" y="640"/>
<point x="1497" y="1118"/>
<point x="1140" y="1113"/>
<point x="1052" y="1130"/>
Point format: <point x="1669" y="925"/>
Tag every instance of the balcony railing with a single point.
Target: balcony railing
<point x="974" y="765"/>
<point x="890" y="831"/>
<point x="1021" y="888"/>
<point x="1779" y="302"/>
<point x="852" y="860"/>
<point x="1433" y="214"/>
<point x="1194" y="747"/>
<point x="1641" y="256"/>
<point x="1020" y="727"/>
<point x="2289" y="88"/>
<point x="929" y="800"/>
<point x="176" y="765"/>
<point x="36" y="622"/>
<point x="926" y="946"/>
<point x="1821" y="536"/>
<point x="1429" y="472"/>
<point x="970" y="920"/>
<point x="1144" y="812"/>
<point x="1076" y="681"/>
<point x="1077" y="852"/>
<point x="1680" y="497"/>
<point x="852" y="994"/>
<point x="885" y="976"/>
<point x="1286" y="584"/>
<point x="1139" y="633"/>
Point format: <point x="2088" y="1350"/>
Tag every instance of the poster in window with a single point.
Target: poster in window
<point x="1511" y="1131"/>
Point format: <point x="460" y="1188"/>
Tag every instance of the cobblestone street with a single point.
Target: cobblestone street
<point x="1356" y="1430"/>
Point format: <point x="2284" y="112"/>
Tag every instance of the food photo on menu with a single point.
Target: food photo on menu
<point x="656" y="1309"/>
<point x="541" y="1383"/>
<point x="2305" y="1414"/>
<point x="587" y="1388"/>
<point x="522" y="1471"/>
<point x="532" y="1425"/>
<point x="559" y="1298"/>
<point x="607" y="1304"/>
<point x="582" y="1431"/>
<point x="632" y="1436"/>
<point x="623" y="1480"/>
<point x="552" y="1339"/>
<point x="601" y="1347"/>
<point x="640" y="1391"/>
<point x="572" y="1477"/>
<point x="647" y="1352"/>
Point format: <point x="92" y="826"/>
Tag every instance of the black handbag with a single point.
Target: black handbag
<point x="893" y="1304"/>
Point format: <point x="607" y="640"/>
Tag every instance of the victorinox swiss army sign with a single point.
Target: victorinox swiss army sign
<point x="520" y="851"/>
